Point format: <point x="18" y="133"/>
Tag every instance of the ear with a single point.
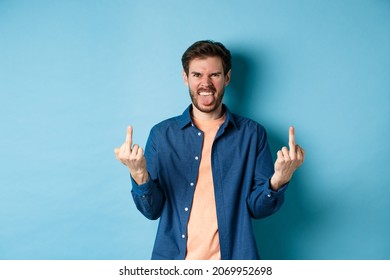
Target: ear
<point x="185" y="77"/>
<point x="227" y="77"/>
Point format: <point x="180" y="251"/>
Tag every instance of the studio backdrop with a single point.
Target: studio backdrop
<point x="75" y="74"/>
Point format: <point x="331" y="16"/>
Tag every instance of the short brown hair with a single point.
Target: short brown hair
<point x="207" y="48"/>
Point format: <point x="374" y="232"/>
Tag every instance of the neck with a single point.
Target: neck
<point x="203" y="116"/>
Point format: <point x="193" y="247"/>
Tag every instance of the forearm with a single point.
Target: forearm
<point x="148" y="198"/>
<point x="263" y="201"/>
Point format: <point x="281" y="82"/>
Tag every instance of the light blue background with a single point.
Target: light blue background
<point x="74" y="74"/>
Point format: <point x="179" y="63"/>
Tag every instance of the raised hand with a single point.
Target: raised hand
<point x="288" y="160"/>
<point x="133" y="157"/>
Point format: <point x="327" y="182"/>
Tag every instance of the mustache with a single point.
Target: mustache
<point x="207" y="89"/>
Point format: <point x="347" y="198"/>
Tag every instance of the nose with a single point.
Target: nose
<point x="206" y="81"/>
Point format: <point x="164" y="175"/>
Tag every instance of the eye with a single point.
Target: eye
<point x="196" y="75"/>
<point x="216" y="75"/>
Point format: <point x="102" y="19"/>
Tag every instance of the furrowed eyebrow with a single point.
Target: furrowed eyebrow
<point x="194" y="73"/>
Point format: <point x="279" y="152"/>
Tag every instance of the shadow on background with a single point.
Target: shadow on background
<point x="280" y="235"/>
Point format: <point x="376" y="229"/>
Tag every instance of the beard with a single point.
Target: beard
<point x="213" y="105"/>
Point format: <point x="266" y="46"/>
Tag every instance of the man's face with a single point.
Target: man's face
<point x="206" y="81"/>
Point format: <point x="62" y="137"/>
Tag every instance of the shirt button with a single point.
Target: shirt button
<point x="268" y="195"/>
<point x="192" y="184"/>
<point x="199" y="133"/>
<point x="183" y="236"/>
<point x="186" y="209"/>
<point x="196" y="158"/>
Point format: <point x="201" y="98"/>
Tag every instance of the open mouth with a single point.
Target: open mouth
<point x="205" y="93"/>
<point x="206" y="96"/>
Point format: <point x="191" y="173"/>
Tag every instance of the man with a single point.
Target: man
<point x="207" y="172"/>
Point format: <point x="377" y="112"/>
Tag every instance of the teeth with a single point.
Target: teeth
<point x="205" y="93"/>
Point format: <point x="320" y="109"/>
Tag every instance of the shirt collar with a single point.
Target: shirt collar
<point x="185" y="118"/>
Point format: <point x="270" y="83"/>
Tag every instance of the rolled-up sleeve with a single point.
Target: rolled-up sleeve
<point x="262" y="200"/>
<point x="149" y="197"/>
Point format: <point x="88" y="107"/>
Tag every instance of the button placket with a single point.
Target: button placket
<point x="192" y="182"/>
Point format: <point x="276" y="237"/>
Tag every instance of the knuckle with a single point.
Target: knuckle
<point x="293" y="158"/>
<point x="123" y="160"/>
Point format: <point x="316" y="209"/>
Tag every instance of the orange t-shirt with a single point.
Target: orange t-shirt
<point x="203" y="238"/>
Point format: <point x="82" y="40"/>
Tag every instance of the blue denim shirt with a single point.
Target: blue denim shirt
<point x="242" y="166"/>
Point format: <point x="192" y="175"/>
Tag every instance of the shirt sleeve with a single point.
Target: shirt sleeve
<point x="262" y="200"/>
<point x="149" y="197"/>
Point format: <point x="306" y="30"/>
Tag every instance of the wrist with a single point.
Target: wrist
<point x="140" y="177"/>
<point x="277" y="181"/>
